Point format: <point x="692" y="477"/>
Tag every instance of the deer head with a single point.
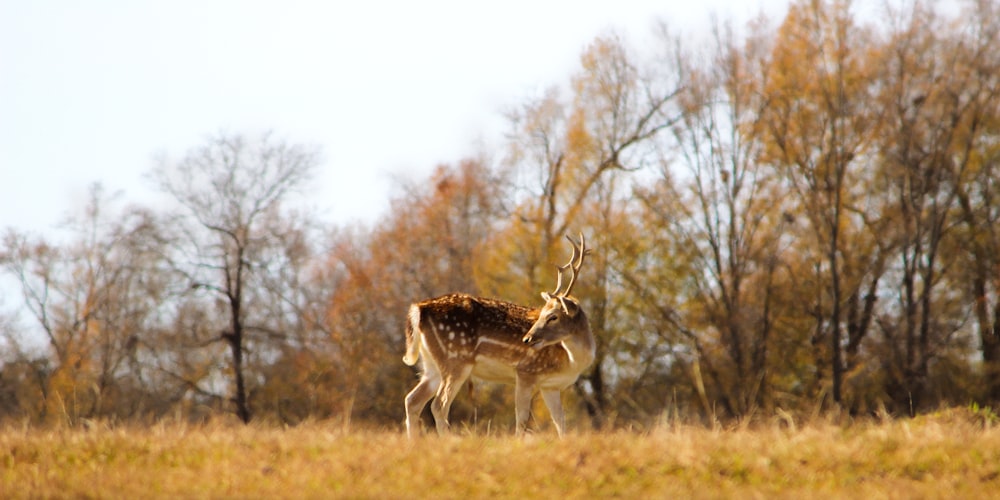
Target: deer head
<point x="559" y="318"/>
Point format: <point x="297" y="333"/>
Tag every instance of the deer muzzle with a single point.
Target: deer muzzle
<point x="531" y="341"/>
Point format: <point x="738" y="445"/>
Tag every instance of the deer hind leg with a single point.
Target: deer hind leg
<point x="553" y="401"/>
<point x="418" y="398"/>
<point x="451" y="385"/>
<point x="523" y="391"/>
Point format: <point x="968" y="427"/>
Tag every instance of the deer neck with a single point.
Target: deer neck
<point x="580" y="349"/>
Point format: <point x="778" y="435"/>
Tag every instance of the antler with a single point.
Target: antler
<point x="559" y="273"/>
<point x="575" y="261"/>
<point x="579" y="262"/>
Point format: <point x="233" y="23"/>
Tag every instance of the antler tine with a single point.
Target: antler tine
<point x="559" y="272"/>
<point x="583" y="251"/>
<point x="579" y="251"/>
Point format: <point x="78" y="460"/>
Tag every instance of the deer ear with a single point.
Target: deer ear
<point x="546" y="296"/>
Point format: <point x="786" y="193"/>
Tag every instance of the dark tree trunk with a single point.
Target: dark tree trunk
<point x="596" y="402"/>
<point x="240" y="396"/>
<point x="989" y="338"/>
<point x="235" y="285"/>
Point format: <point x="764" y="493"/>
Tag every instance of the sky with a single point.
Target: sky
<point x="93" y="91"/>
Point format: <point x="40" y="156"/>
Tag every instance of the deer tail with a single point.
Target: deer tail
<point x="413" y="334"/>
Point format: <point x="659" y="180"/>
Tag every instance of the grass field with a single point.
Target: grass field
<point x="954" y="453"/>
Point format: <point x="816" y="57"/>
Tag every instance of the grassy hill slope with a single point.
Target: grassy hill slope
<point x="955" y="453"/>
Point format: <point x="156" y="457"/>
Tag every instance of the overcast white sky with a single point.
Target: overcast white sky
<point x="90" y="91"/>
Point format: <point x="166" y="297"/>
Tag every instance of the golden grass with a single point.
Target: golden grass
<point x="950" y="454"/>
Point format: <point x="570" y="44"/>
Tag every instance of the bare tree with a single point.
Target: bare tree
<point x="230" y="192"/>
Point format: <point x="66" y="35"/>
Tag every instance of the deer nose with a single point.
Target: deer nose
<point x="530" y="340"/>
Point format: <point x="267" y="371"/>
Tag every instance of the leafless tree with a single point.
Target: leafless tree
<point x="231" y="219"/>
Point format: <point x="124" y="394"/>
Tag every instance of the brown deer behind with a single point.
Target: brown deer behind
<point x="460" y="336"/>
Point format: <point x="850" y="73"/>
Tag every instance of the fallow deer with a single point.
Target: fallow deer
<point x="460" y="335"/>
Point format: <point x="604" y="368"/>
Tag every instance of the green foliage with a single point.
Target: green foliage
<point x="984" y="414"/>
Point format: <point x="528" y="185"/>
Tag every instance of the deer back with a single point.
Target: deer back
<point x="455" y="325"/>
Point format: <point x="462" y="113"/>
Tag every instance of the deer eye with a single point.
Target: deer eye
<point x="552" y="319"/>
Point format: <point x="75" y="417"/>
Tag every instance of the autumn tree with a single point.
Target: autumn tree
<point x="94" y="298"/>
<point x="819" y="122"/>
<point x="926" y="104"/>
<point x="719" y="226"/>
<point x="971" y="94"/>
<point x="796" y="217"/>
<point x="570" y="158"/>
<point x="433" y="241"/>
<point x="229" y="234"/>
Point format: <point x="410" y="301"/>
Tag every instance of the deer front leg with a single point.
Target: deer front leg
<point x="553" y="401"/>
<point x="523" y="390"/>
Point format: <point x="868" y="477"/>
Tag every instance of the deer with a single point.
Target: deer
<point x="459" y="336"/>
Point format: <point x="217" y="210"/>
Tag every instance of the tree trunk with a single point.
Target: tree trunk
<point x="836" y="358"/>
<point x="240" y="396"/>
<point x="989" y="337"/>
<point x="596" y="402"/>
<point x="236" y="340"/>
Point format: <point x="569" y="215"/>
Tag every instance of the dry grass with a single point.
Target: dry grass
<point x="951" y="454"/>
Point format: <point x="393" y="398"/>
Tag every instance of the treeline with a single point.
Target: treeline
<point x="793" y="218"/>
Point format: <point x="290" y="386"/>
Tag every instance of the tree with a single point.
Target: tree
<point x="437" y="238"/>
<point x="570" y="158"/>
<point x="297" y="380"/>
<point x="819" y="122"/>
<point x="95" y="298"/>
<point x="975" y="98"/>
<point x="925" y="104"/>
<point x="721" y="224"/>
<point x="232" y="220"/>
